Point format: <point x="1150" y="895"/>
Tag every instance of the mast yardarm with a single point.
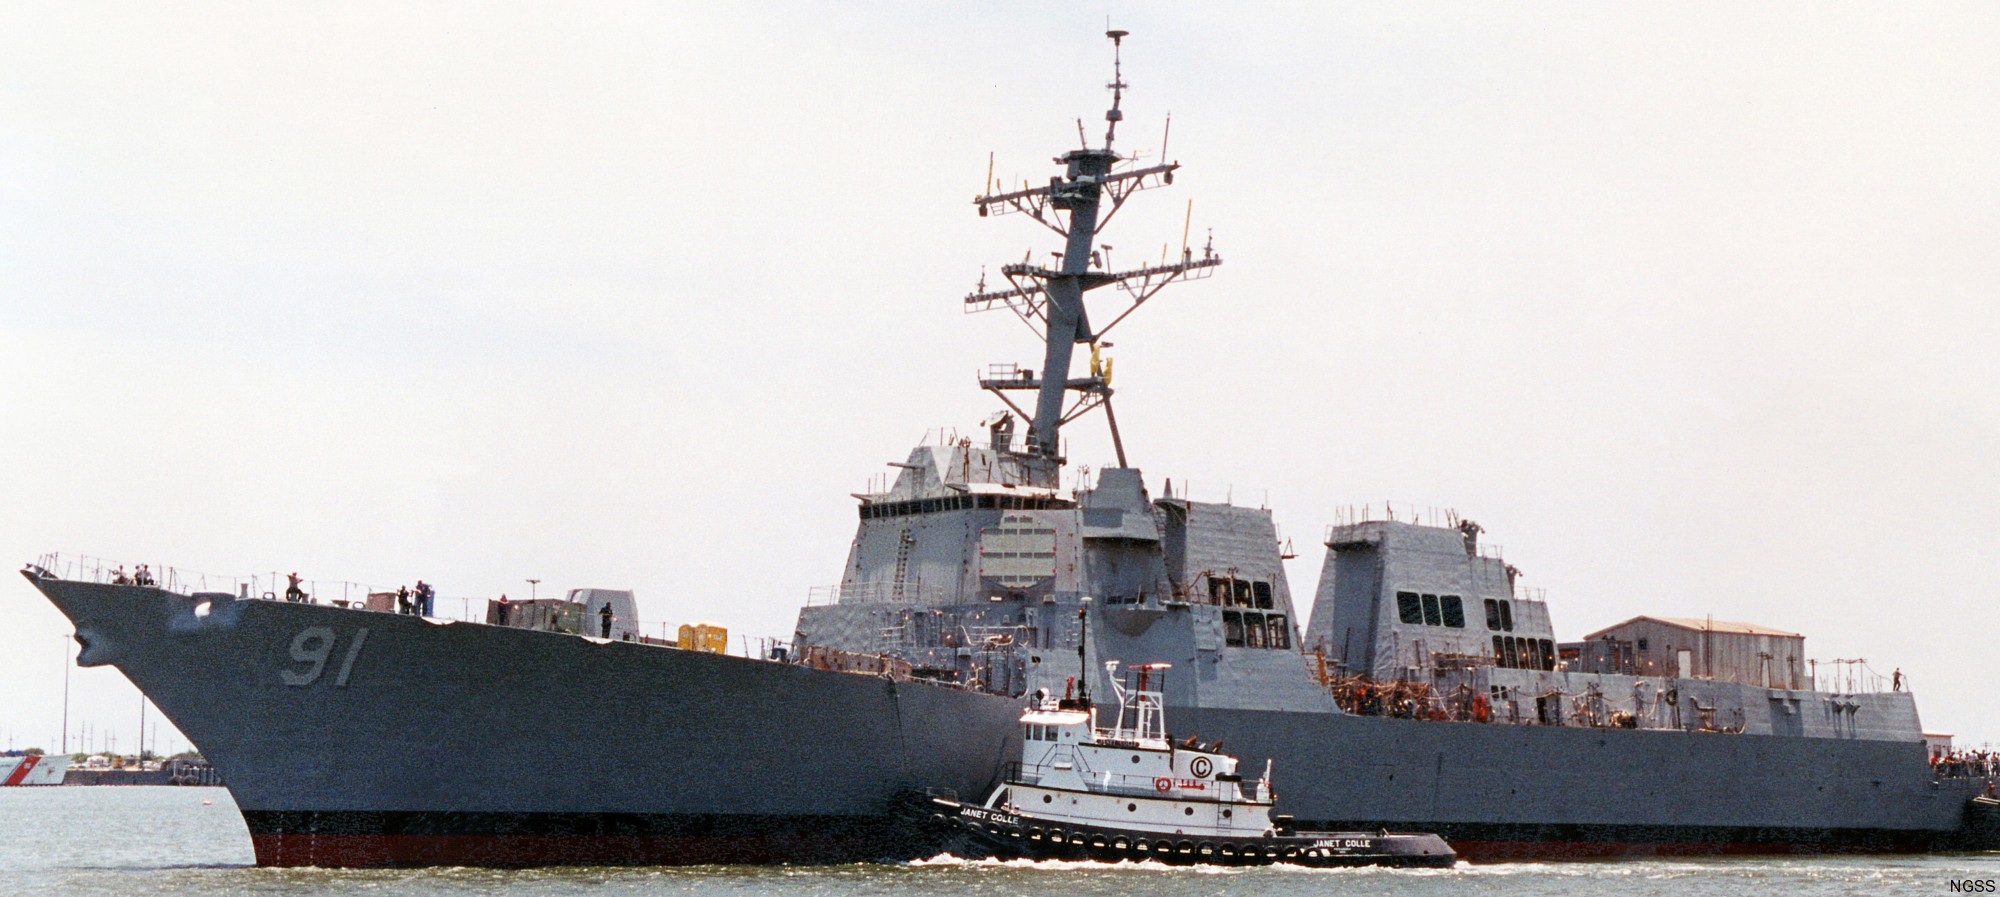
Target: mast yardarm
<point x="1091" y="189"/>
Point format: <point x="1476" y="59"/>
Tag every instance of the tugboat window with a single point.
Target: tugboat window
<point x="1263" y="594"/>
<point x="1431" y="615"/>
<point x="1454" y="611"/>
<point x="1507" y="615"/>
<point x="1048" y="799"/>
<point x="1492" y="614"/>
<point x="1242" y="593"/>
<point x="1232" y="628"/>
<point x="1253" y="630"/>
<point x="1410" y="608"/>
<point x="1281" y="633"/>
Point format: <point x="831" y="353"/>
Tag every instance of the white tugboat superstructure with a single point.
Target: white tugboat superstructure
<point x="1131" y="773"/>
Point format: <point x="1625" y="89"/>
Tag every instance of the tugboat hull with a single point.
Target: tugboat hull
<point x="986" y="832"/>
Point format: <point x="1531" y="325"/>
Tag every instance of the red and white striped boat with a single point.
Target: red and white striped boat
<point x="32" y="769"/>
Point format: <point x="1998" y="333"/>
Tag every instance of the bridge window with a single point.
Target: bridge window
<point x="1281" y="632"/>
<point x="1249" y="629"/>
<point x="1228" y="591"/>
<point x="1418" y="608"/>
<point x="1410" y="608"/>
<point x="878" y="510"/>
<point x="1524" y="653"/>
<point x="1492" y="614"/>
<point x="1454" y="611"/>
<point x="1431" y="615"/>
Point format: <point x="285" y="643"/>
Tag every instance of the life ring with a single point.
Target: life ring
<point x="1163" y="784"/>
<point x="1482" y="709"/>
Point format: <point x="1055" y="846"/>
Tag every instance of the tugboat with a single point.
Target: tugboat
<point x="1132" y="793"/>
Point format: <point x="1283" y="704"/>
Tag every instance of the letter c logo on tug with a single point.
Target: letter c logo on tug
<point x="1200" y="767"/>
<point x="1163" y="784"/>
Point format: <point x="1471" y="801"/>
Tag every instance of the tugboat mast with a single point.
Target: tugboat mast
<point x="1052" y="298"/>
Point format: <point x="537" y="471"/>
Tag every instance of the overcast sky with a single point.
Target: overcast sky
<point x="1691" y="305"/>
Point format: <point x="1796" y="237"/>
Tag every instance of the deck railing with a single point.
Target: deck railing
<point x="349" y="594"/>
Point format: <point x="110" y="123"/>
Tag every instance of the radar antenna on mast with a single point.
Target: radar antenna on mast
<point x="1117" y="85"/>
<point x="1050" y="299"/>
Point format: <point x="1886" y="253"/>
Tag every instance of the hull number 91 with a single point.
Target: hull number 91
<point x="312" y="648"/>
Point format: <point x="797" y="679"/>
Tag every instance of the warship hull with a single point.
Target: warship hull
<point x="1514" y="792"/>
<point x="353" y="738"/>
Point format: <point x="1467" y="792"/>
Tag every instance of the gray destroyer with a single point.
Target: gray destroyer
<point x="1424" y="692"/>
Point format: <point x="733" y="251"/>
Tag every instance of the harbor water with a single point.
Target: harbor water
<point x="139" y="841"/>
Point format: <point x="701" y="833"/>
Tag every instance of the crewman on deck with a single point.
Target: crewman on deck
<point x="292" y="591"/>
<point x="118" y="577"/>
<point x="425" y="598"/>
<point x="604" y="613"/>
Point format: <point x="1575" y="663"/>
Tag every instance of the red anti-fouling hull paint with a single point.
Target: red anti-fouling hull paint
<point x="378" y="850"/>
<point x="337" y="839"/>
<point x="1500" y="851"/>
<point x="553" y="850"/>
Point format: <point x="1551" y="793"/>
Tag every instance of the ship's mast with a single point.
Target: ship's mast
<point x="1091" y="190"/>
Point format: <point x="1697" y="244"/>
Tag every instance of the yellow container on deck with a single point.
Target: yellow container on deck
<point x="704" y="637"/>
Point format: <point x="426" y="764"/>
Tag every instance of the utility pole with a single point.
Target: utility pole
<point x="532" y="584"/>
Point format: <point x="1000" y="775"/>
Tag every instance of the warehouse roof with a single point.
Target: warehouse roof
<point x="1701" y="626"/>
